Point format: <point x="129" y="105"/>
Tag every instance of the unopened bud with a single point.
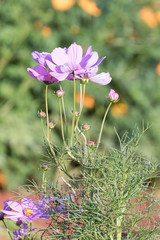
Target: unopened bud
<point x="51" y="125"/>
<point x="76" y="113"/>
<point x="90" y="143"/>
<point x="42" y="114"/>
<point x="19" y="222"/>
<point x="45" y="167"/>
<point x="113" y="96"/>
<point x="60" y="93"/>
<point x="85" y="127"/>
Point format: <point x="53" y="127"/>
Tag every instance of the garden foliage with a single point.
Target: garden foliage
<point x="127" y="32"/>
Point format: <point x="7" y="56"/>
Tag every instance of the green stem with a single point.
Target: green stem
<point x="65" y="117"/>
<point x="44" y="181"/>
<point x="43" y="128"/>
<point x="47" y="112"/>
<point x="82" y="104"/>
<point x="7" y="229"/>
<point x="74" y="108"/>
<point x="102" y="125"/>
<point x="61" y="119"/>
<point x="119" y="230"/>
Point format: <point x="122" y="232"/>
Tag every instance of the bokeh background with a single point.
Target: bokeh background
<point x="126" y="31"/>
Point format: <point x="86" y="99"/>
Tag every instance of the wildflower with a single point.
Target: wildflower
<point x="20" y="233"/>
<point x="60" y="93"/>
<point x="85" y="127"/>
<point x="28" y="210"/>
<point x="113" y="96"/>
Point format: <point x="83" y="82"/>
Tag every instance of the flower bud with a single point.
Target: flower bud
<point x="1" y="215"/>
<point x="51" y="125"/>
<point x="42" y="114"/>
<point x="90" y="144"/>
<point x="85" y="127"/>
<point x="76" y="113"/>
<point x="113" y="96"/>
<point x="60" y="93"/>
<point x="45" y="167"/>
<point x="19" y="222"/>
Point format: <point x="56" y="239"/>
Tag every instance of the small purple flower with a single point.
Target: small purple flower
<point x="113" y="96"/>
<point x="28" y="210"/>
<point x="6" y="207"/>
<point x="21" y="232"/>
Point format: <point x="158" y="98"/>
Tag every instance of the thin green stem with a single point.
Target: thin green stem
<point x="65" y="117"/>
<point x="44" y="181"/>
<point x="7" y="229"/>
<point x="43" y="128"/>
<point x="47" y="111"/>
<point x="82" y="104"/>
<point x="61" y="119"/>
<point x="74" y="108"/>
<point x="119" y="230"/>
<point x="102" y="125"/>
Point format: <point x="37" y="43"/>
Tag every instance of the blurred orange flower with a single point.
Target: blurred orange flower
<point x="62" y="5"/>
<point x="90" y="7"/>
<point x="119" y="109"/>
<point x="158" y="16"/>
<point x="46" y="31"/>
<point x="89" y="101"/>
<point x="148" y="16"/>
<point x="3" y="180"/>
<point x="158" y="68"/>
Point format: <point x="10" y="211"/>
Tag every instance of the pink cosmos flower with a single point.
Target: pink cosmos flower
<point x="41" y="57"/>
<point x="28" y="210"/>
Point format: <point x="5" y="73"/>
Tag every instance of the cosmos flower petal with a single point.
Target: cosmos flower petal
<point x="32" y="73"/>
<point x="75" y="53"/>
<point x="102" y="78"/>
<point x="41" y="70"/>
<point x="59" y="56"/>
<point x="88" y="51"/>
<point x="92" y="60"/>
<point x="15" y="206"/>
<point x="98" y="62"/>
<point x="59" y="76"/>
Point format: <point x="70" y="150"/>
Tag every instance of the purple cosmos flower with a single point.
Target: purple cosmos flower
<point x="66" y="61"/>
<point x="21" y="232"/>
<point x="28" y="210"/>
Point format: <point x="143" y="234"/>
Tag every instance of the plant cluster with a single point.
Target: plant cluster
<point x="110" y="199"/>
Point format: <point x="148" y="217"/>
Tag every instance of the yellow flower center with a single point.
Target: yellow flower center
<point x="28" y="212"/>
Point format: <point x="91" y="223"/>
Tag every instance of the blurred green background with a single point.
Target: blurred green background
<point x="125" y="31"/>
